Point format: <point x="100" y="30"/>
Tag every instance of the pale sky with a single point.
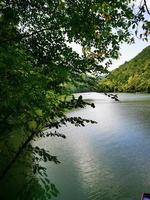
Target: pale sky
<point x="130" y="51"/>
<point x="127" y="51"/>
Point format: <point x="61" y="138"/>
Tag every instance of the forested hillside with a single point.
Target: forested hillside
<point x="132" y="76"/>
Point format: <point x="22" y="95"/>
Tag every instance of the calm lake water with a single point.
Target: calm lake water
<point x="105" y="161"/>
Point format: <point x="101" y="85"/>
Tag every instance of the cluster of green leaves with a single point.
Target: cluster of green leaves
<point x="132" y="76"/>
<point x="36" y="63"/>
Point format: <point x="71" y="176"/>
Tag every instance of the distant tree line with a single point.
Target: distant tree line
<point x="132" y="76"/>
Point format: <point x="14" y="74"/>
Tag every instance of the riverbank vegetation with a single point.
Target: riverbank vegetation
<point x="37" y="65"/>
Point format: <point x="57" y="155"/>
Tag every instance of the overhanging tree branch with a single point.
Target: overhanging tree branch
<point x="19" y="152"/>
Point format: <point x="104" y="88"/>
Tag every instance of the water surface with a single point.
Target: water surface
<point x="105" y="161"/>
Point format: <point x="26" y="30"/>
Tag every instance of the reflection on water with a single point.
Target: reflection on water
<point x="109" y="160"/>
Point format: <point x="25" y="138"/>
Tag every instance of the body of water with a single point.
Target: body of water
<point x="109" y="160"/>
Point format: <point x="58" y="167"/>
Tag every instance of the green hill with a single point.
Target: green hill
<point x="132" y="76"/>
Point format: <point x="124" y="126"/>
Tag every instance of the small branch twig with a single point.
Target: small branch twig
<point x="146" y="7"/>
